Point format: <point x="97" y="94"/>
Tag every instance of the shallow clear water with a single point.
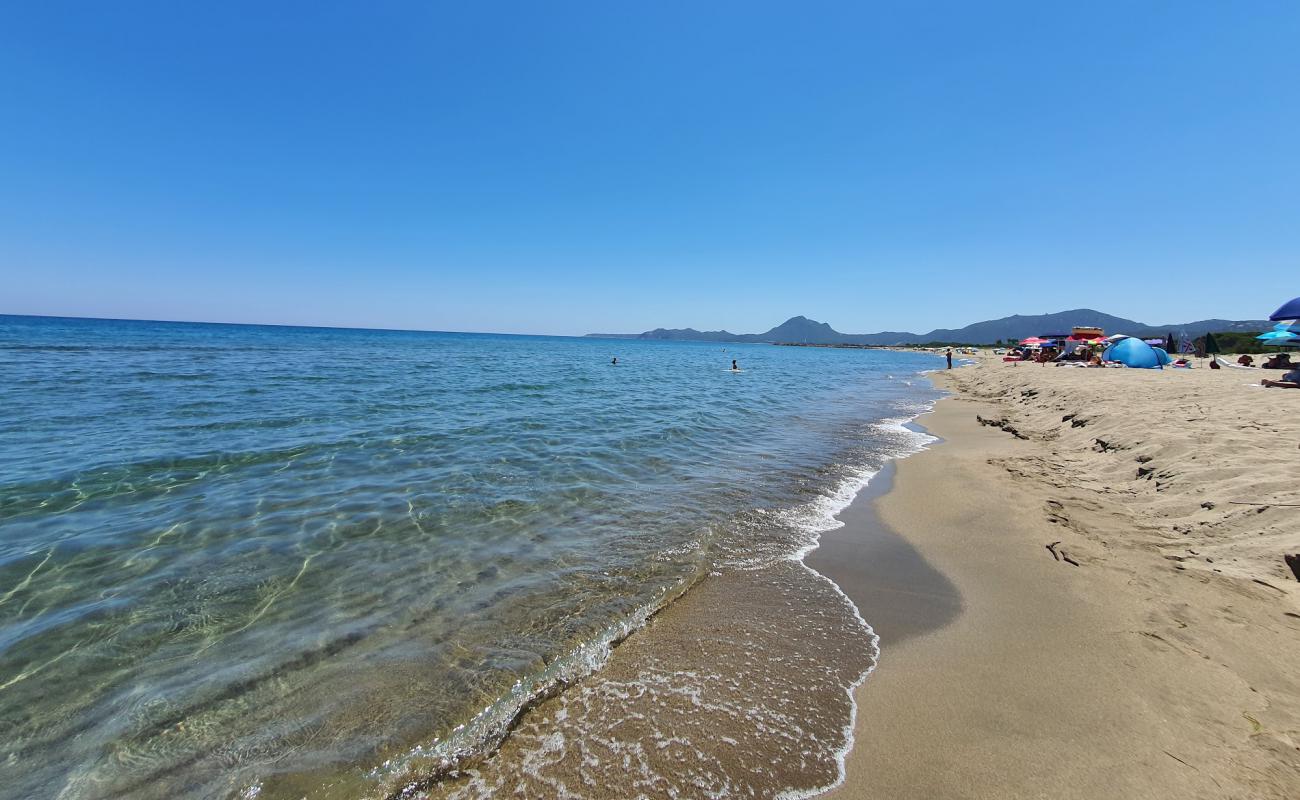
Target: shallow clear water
<point x="229" y="553"/>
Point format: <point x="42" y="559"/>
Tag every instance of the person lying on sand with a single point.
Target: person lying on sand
<point x="1279" y="361"/>
<point x="1290" y="380"/>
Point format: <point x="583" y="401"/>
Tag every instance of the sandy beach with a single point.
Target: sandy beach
<point x="1150" y="652"/>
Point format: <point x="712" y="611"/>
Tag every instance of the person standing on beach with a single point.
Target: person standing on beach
<point x="949" y="355"/>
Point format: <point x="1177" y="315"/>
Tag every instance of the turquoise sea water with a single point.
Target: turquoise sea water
<point x="232" y="552"/>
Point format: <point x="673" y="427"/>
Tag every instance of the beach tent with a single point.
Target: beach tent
<point x="1162" y="355"/>
<point x="1288" y="310"/>
<point x="1133" y="353"/>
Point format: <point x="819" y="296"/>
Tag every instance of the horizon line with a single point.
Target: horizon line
<point x="286" y="325"/>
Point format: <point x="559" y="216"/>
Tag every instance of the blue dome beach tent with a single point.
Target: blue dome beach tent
<point x="1162" y="355"/>
<point x="1289" y="310"/>
<point x="1133" y="353"/>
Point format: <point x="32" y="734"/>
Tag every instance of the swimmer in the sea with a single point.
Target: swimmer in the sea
<point x="734" y="366"/>
<point x="615" y="361"/>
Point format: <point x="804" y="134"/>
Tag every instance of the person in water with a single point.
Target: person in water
<point x="734" y="367"/>
<point x="615" y="361"/>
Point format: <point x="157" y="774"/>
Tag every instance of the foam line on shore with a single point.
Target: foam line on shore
<point x="480" y="736"/>
<point x="839" y="501"/>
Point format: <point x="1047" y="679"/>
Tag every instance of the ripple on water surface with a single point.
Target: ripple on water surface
<point x="296" y="561"/>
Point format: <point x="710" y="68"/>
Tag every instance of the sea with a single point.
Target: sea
<point x="247" y="561"/>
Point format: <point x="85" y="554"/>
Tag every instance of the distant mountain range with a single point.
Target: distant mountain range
<point x="802" y="330"/>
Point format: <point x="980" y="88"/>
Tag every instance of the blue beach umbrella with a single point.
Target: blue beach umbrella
<point x="1134" y="353"/>
<point x="1278" y="337"/>
<point x="1288" y="310"/>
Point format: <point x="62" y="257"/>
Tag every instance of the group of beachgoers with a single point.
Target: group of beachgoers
<point x="1046" y="355"/>
<point x="1290" y="378"/>
<point x="1083" y="356"/>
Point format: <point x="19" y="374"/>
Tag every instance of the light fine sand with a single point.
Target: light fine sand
<point x="1164" y="661"/>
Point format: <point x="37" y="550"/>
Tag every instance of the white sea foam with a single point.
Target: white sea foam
<point x="486" y="729"/>
<point x="823" y="517"/>
<point x="822" y="513"/>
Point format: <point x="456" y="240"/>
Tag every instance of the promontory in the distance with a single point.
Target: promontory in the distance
<point x="802" y="330"/>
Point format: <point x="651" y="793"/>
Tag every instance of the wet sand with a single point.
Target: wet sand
<point x="893" y="586"/>
<point x="1138" y="670"/>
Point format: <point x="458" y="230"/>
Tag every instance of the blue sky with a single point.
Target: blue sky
<point x="569" y="167"/>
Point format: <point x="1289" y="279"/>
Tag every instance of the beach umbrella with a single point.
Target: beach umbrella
<point x="1116" y="337"/>
<point x="1133" y="353"/>
<point x="1288" y="310"/>
<point x="1032" y="340"/>
<point x="1278" y="337"/>
<point x="1211" y="344"/>
<point x="1169" y="346"/>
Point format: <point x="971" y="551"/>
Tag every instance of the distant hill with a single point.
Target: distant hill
<point x="807" y="331"/>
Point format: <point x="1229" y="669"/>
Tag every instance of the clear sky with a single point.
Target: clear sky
<point x="562" y="167"/>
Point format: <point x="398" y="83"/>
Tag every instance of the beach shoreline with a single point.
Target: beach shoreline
<point x="1107" y="665"/>
<point x="743" y="685"/>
